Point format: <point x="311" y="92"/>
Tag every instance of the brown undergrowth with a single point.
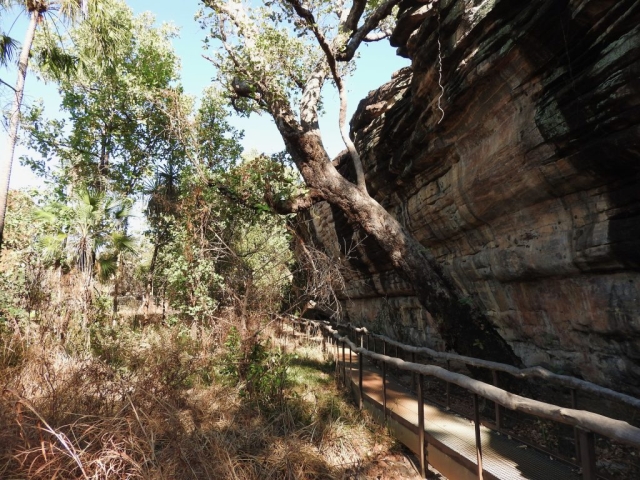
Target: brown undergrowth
<point x="169" y="403"/>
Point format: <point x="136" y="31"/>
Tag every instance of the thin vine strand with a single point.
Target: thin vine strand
<point x="440" y="67"/>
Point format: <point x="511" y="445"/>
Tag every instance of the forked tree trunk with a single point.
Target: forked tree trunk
<point x="7" y="160"/>
<point x="462" y="326"/>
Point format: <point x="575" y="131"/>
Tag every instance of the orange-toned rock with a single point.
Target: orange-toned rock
<point x="528" y="189"/>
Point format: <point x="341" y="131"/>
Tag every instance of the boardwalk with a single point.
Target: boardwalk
<point x="450" y="440"/>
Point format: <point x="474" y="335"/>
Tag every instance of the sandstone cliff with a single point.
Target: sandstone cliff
<point x="521" y="174"/>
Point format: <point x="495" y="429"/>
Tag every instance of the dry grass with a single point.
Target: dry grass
<point x="149" y="404"/>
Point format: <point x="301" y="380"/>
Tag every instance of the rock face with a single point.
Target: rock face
<point x="511" y="149"/>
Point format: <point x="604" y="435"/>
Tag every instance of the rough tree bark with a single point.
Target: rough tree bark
<point x="463" y="327"/>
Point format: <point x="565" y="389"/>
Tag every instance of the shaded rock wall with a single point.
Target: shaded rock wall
<point x="527" y="190"/>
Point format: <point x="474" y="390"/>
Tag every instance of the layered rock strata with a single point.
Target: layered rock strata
<point x="511" y="150"/>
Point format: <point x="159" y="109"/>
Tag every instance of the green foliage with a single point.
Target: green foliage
<point x="86" y="233"/>
<point x="121" y="113"/>
<point x="268" y="55"/>
<point x="21" y="268"/>
<point x="217" y="143"/>
<point x="267" y="47"/>
<point x="8" y="49"/>
<point x="214" y="253"/>
<point x="53" y="15"/>
<point x="218" y="247"/>
<point x="190" y="278"/>
<point x="260" y="371"/>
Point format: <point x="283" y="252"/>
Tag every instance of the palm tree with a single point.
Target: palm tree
<point x="98" y="239"/>
<point x="8" y="45"/>
<point x="163" y="192"/>
<point x="90" y="234"/>
<point x="37" y="10"/>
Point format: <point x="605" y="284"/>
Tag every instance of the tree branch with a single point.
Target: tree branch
<point x="308" y="17"/>
<point x="269" y="98"/>
<point x="344" y="131"/>
<point x="233" y="195"/>
<point x="370" y="24"/>
<point x="374" y="37"/>
<point x="296" y="204"/>
<point x="357" y="9"/>
<point x="310" y="98"/>
<point x="6" y="84"/>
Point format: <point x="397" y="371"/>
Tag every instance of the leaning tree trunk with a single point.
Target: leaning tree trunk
<point x="462" y="326"/>
<point x="5" y="168"/>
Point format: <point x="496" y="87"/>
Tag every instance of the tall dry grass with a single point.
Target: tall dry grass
<point x="151" y="403"/>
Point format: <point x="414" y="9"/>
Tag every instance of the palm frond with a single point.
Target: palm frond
<point x="72" y="9"/>
<point x="47" y="215"/>
<point x="118" y="207"/>
<point x="107" y="266"/>
<point x="57" y="61"/>
<point x="122" y="242"/>
<point x="53" y="246"/>
<point x="8" y="49"/>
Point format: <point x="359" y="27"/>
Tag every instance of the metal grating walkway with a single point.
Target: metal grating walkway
<point x="503" y="458"/>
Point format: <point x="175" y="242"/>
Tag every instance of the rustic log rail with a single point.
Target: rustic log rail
<point x="585" y="423"/>
<point x="531" y="372"/>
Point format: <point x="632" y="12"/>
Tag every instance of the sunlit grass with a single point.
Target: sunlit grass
<point x="151" y="403"/>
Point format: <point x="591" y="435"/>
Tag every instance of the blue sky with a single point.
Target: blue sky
<point x="377" y="63"/>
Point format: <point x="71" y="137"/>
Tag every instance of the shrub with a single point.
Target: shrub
<point x="259" y="370"/>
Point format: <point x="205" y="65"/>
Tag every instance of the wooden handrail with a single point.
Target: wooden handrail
<point x="530" y="372"/>
<point x="611" y="428"/>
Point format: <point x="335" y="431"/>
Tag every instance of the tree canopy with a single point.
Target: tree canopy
<point x="48" y="17"/>
<point x="121" y="114"/>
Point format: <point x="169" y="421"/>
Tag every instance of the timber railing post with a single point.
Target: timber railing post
<point x="476" y="419"/>
<point x="423" y="463"/>
<point x="587" y="454"/>
<point x="360" y="355"/>
<point x="350" y="367"/>
<point x="413" y="374"/>
<point x="576" y="435"/>
<point x="337" y="359"/>
<point x="497" y="405"/>
<point x="448" y="387"/>
<point x="384" y="389"/>
<point x="360" y="361"/>
<point x="344" y="366"/>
